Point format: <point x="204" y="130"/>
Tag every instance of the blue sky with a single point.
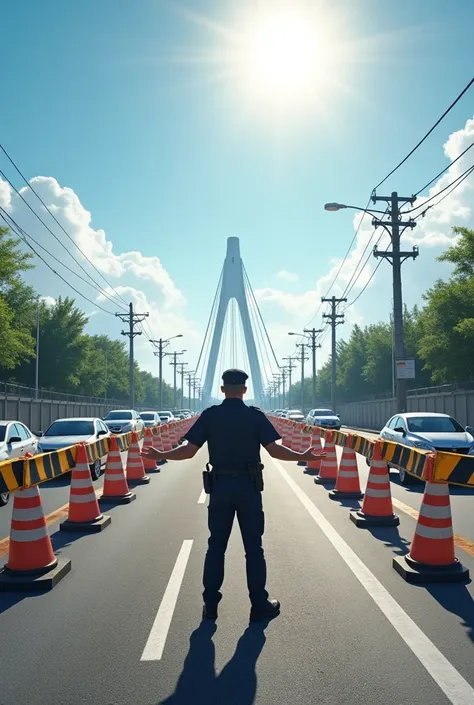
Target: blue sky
<point x="170" y="155"/>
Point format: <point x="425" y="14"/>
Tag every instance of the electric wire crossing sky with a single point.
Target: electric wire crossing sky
<point x="234" y="286"/>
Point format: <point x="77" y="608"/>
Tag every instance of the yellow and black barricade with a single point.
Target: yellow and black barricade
<point x="454" y="468"/>
<point x="47" y="466"/>
<point x="11" y="475"/>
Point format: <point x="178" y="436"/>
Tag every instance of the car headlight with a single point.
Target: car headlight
<point x="422" y="445"/>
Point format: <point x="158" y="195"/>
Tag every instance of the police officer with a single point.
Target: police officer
<point x="234" y="433"/>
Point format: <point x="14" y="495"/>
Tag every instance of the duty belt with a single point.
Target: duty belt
<point x="239" y="471"/>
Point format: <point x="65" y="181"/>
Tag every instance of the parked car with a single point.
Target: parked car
<point x="150" y="418"/>
<point x="325" y="418"/>
<point x="428" y="431"/>
<point x="16" y="440"/>
<point x="123" y="421"/>
<point x="166" y="416"/>
<point x="67" y="432"/>
<point x="295" y="415"/>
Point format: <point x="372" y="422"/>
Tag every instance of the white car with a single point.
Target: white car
<point x="326" y="418"/>
<point x="16" y="440"/>
<point x="150" y="418"/>
<point x="295" y="415"/>
<point x="123" y="421"/>
<point x="166" y="416"/>
<point x="64" y="433"/>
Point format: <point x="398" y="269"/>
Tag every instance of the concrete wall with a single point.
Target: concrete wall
<point x="374" y="414"/>
<point x="38" y="414"/>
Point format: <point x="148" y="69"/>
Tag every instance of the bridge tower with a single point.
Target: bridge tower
<point x="233" y="287"/>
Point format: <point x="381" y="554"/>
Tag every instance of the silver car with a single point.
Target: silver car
<point x="16" y="440"/>
<point x="325" y="418"/>
<point x="64" y="433"/>
<point x="124" y="420"/>
<point x="295" y="415"/>
<point x="166" y="416"/>
<point x="150" y="418"/>
<point x="428" y="431"/>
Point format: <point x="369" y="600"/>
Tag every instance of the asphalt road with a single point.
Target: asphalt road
<point x="351" y="630"/>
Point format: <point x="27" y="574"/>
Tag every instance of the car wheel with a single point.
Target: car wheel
<point x="405" y="478"/>
<point x="96" y="469"/>
<point x="4" y="497"/>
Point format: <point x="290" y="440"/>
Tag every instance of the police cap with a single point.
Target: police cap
<point x="234" y="377"/>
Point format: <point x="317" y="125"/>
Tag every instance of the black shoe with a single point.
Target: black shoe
<point x="209" y="612"/>
<point x="268" y="611"/>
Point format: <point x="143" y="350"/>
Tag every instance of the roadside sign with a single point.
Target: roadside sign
<point x="405" y="369"/>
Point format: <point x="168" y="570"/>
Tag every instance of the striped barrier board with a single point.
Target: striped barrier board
<point x="454" y="468"/>
<point x="47" y="466"/>
<point x="11" y="475"/>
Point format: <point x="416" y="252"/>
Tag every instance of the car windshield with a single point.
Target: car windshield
<point x="433" y="424"/>
<point x="164" y="416"/>
<point x="115" y="415"/>
<point x="2" y="432"/>
<point x="147" y="417"/>
<point x="70" y="428"/>
<point x="323" y="412"/>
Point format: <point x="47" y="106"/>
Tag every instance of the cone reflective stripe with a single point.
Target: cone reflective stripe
<point x="148" y="464"/>
<point x="84" y="513"/>
<point x="165" y="437"/>
<point x="347" y="481"/>
<point x="157" y="441"/>
<point x="305" y="443"/>
<point x="315" y="442"/>
<point x="135" y="468"/>
<point x="328" y="471"/>
<point x="432" y="557"/>
<point x="377" y="508"/>
<point x="115" y="485"/>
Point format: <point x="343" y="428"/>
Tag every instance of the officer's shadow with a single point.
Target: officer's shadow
<point x="198" y="683"/>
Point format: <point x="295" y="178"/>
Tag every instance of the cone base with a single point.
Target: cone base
<point x="417" y="573"/>
<point x="324" y="480"/>
<point x="311" y="471"/>
<point x="87" y="527"/>
<point x="24" y="581"/>
<point x="337" y="494"/>
<point x="117" y="499"/>
<point x="139" y="481"/>
<point x="302" y="463"/>
<point x="365" y="520"/>
<point x="154" y="470"/>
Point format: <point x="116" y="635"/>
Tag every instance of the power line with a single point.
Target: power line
<point x="16" y="228"/>
<point x="460" y="178"/>
<point x="427" y="134"/>
<point x="445" y="169"/>
<point x="57" y="221"/>
<point x="100" y="289"/>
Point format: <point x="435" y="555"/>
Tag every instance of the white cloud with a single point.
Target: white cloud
<point x="48" y="300"/>
<point x="5" y="195"/>
<point x="285" y="276"/>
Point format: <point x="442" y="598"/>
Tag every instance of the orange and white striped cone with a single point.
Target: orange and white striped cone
<point x="315" y="443"/>
<point x="84" y="514"/>
<point x="432" y="558"/>
<point x="135" y="470"/>
<point x="165" y="437"/>
<point x="377" y="508"/>
<point x="328" y="468"/>
<point x="347" y="481"/>
<point x="31" y="565"/>
<point x="305" y="443"/>
<point x="149" y="441"/>
<point x="116" y="489"/>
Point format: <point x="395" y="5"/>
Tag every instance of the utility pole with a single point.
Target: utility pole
<point x="182" y="365"/>
<point x="278" y="387"/>
<point x="335" y="319"/>
<point x="290" y="367"/>
<point x="189" y="376"/>
<point x="314" y="346"/>
<point x="132" y="319"/>
<point x="302" y="361"/>
<point x="37" y="349"/>
<point x="396" y="258"/>
<point x="175" y="364"/>
<point x="283" y="380"/>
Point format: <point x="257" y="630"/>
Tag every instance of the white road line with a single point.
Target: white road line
<point x="153" y="650"/>
<point x="454" y="686"/>
<point x="202" y="497"/>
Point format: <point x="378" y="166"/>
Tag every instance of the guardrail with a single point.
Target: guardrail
<point x="451" y="468"/>
<point x="28" y="472"/>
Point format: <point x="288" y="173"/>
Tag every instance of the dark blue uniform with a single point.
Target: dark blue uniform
<point x="234" y="433"/>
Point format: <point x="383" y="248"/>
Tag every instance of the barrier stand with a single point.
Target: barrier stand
<point x="32" y="565"/>
<point x="377" y="508"/>
<point x="431" y="558"/>
<point x="116" y="490"/>
<point x="328" y="467"/>
<point x="135" y="470"/>
<point x="84" y="514"/>
<point x="347" y="481"/>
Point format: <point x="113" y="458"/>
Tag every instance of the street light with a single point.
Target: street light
<point x="333" y="207"/>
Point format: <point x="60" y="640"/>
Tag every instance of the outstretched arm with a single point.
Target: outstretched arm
<point x="184" y="452"/>
<point x="283" y="453"/>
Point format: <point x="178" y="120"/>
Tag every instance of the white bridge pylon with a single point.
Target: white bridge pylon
<point x="233" y="288"/>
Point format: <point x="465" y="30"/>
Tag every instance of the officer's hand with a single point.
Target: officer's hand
<point x="150" y="453"/>
<point x="314" y="454"/>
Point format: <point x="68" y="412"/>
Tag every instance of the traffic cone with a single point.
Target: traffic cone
<point x="135" y="470"/>
<point x="305" y="443"/>
<point x="347" y="481"/>
<point x="149" y="441"/>
<point x="116" y="490"/>
<point x="431" y="558"/>
<point x="317" y="445"/>
<point x="377" y="508"/>
<point x="165" y="437"/>
<point x="84" y="513"/>
<point x="32" y="565"/>
<point x="328" y="467"/>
